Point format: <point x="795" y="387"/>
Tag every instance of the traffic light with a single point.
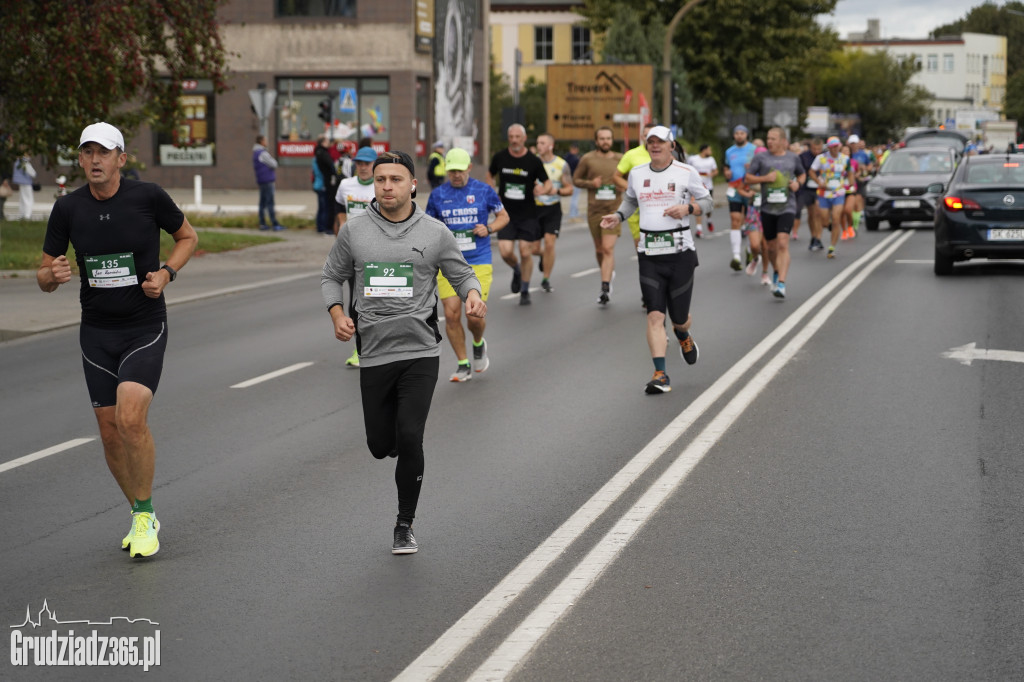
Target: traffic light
<point x="676" y="108"/>
<point x="325" y="110"/>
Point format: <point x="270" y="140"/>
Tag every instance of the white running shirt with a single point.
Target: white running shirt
<point x="655" y="191"/>
<point x="705" y="165"/>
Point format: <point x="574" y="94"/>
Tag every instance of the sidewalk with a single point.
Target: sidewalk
<point x="27" y="310"/>
<point x="215" y="201"/>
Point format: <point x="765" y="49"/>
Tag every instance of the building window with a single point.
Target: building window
<point x="947" y="63"/>
<point x="543" y="44"/>
<point x="984" y="69"/>
<point x="917" y="63"/>
<point x="581" y="51"/>
<point x="316" y="8"/>
<point x="191" y="143"/>
<point x="933" y="62"/>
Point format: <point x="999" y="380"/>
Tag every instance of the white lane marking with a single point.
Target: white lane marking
<point x="969" y="353"/>
<point x="449" y="645"/>
<point x="509" y="297"/>
<point x="524" y="638"/>
<point x="272" y="375"/>
<point x="584" y="273"/>
<point x="172" y="300"/>
<point x="15" y="463"/>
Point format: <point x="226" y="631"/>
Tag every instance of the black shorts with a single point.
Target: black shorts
<point x="806" y="197"/>
<point x="773" y="225"/>
<point x="550" y="219"/>
<point x="527" y="230"/>
<point x="738" y="207"/>
<point x="111" y="356"/>
<point x="666" y="283"/>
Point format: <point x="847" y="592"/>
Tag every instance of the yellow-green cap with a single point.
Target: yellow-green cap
<point x="456" y="160"/>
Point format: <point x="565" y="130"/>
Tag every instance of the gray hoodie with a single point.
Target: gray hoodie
<point x="392" y="322"/>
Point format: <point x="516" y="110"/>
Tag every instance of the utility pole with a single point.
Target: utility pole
<point x="666" y="64"/>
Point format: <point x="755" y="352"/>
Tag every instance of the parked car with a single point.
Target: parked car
<point x="908" y="186"/>
<point x="982" y="212"/>
<point x="934" y="137"/>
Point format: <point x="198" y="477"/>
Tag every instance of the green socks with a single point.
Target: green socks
<point x="145" y="505"/>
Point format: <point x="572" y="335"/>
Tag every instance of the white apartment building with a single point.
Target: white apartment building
<point x="962" y="72"/>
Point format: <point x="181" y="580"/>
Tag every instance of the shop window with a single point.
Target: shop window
<point x="192" y="142"/>
<point x="360" y="108"/>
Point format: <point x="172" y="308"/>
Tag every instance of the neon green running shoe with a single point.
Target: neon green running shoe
<point x="127" y="539"/>
<point x="144" y="541"/>
<point x="353" y="361"/>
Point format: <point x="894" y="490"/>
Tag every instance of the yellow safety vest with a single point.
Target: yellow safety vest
<point x="439" y="168"/>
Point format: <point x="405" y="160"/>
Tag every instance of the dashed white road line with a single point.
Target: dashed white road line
<point x="584" y="273"/>
<point x="272" y="375"/>
<point x="433" y="661"/>
<point x="15" y="463"/>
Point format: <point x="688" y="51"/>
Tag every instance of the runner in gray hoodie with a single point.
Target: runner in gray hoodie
<point x="393" y="253"/>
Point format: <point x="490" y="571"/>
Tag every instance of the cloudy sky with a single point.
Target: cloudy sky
<point x="900" y="18"/>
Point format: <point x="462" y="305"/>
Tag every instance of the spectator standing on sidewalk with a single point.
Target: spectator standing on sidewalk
<point x="325" y="186"/>
<point x="24" y="176"/>
<point x="264" y="165"/>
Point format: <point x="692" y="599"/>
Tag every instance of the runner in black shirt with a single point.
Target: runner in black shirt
<point x="114" y="226"/>
<point x="514" y="172"/>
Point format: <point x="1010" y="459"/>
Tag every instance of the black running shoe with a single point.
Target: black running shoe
<point x="517" y="280"/>
<point x="603" y="298"/>
<point x="524" y="298"/>
<point x="405" y="541"/>
<point x="546" y="285"/>
<point x="688" y="349"/>
<point x="658" y="384"/>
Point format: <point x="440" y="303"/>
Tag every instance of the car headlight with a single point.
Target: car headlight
<point x="875" y="190"/>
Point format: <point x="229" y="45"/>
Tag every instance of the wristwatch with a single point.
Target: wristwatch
<point x="172" y="271"/>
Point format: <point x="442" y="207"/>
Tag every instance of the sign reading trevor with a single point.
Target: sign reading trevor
<point x="387" y="280"/>
<point x="583" y="97"/>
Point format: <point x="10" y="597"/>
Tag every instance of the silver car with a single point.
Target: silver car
<point x="908" y="186"/>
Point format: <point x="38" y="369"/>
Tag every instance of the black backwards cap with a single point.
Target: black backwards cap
<point x="402" y="159"/>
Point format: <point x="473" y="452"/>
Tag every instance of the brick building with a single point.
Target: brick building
<point x="402" y="72"/>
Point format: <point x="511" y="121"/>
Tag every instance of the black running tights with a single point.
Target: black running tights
<point x="396" y="401"/>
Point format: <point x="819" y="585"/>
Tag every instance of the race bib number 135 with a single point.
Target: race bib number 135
<point x="111" y="271"/>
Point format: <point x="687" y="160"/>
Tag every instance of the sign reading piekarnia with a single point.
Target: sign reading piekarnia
<point x="583" y="97"/>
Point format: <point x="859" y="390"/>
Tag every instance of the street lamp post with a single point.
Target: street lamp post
<point x="666" y="63"/>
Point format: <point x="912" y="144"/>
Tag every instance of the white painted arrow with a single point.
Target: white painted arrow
<point x="969" y="353"/>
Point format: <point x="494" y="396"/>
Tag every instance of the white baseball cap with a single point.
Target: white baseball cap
<point x="103" y="134"/>
<point x="660" y="132"/>
<point x="852" y="139"/>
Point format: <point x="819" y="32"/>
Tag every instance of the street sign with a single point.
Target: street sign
<point x="348" y="99"/>
<point x="263" y="101"/>
<point x="781" y="111"/>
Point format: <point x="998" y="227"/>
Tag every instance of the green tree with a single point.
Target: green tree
<point x="994" y="20"/>
<point x="735" y="52"/>
<point x="850" y="83"/>
<point x="1013" y="107"/>
<point x="67" y="63"/>
<point x="632" y="41"/>
<point x="501" y="99"/>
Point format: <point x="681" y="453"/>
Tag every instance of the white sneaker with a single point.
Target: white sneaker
<point x="753" y="265"/>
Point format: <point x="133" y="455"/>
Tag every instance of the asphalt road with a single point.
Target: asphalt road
<point x="823" y="496"/>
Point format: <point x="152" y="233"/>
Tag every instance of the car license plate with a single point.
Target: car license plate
<point x="1003" y="234"/>
<point x="906" y="203"/>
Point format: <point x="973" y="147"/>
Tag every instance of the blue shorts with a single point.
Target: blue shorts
<point x="826" y="202"/>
